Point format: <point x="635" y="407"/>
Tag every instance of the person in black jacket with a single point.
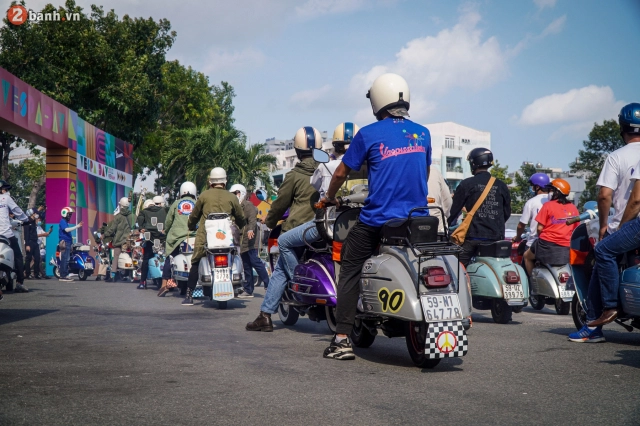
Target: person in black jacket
<point x="488" y="222"/>
<point x="31" y="245"/>
<point x="151" y="220"/>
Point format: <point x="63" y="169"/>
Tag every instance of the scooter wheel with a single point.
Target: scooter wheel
<point x="330" y="313"/>
<point x="537" y="302"/>
<point x="501" y="311"/>
<point x="361" y="336"/>
<point x="82" y="275"/>
<point x="578" y="313"/>
<point x="222" y="305"/>
<point x="288" y="314"/>
<point x="56" y="272"/>
<point x="416" y="335"/>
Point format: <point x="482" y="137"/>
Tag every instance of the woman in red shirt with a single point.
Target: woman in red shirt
<point x="554" y="236"/>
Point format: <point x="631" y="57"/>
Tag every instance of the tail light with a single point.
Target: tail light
<point x="511" y="277"/>
<point x="295" y="287"/>
<point x="186" y="267"/>
<point x="221" y="261"/>
<point x="563" y="277"/>
<point x="435" y="276"/>
<point x="57" y="254"/>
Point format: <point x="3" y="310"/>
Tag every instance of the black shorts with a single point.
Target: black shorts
<point x="550" y="253"/>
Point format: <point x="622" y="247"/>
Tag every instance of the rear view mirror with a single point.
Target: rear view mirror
<point x="590" y="205"/>
<point x="261" y="194"/>
<point x="320" y="156"/>
<point x="88" y="242"/>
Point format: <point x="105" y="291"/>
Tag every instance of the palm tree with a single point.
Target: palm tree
<point x="253" y="165"/>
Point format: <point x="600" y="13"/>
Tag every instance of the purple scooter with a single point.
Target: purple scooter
<point x="312" y="291"/>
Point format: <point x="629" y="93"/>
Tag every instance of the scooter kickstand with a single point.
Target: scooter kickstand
<point x="627" y="327"/>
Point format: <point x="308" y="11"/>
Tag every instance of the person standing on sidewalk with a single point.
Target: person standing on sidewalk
<point x="31" y="246"/>
<point x="248" y="251"/>
<point x="119" y="229"/>
<point x="8" y="206"/>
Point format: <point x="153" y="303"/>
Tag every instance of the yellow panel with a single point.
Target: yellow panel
<point x="52" y="167"/>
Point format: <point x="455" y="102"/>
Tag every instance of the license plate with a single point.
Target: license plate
<point x="222" y="275"/>
<point x="441" y="307"/>
<point x="513" y="291"/>
<point x="565" y="294"/>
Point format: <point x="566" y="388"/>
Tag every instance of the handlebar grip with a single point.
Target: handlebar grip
<point x="572" y="220"/>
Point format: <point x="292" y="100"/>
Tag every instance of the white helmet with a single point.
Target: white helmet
<point x="344" y="133"/>
<point x="217" y="175"/>
<point x="188" y="188"/>
<point x="241" y="188"/>
<point x="124" y="202"/>
<point x="147" y="203"/>
<point x="306" y="139"/>
<point x="387" y="92"/>
<point x="158" y="199"/>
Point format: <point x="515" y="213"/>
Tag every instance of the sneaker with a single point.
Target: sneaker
<point x="586" y="335"/>
<point x="341" y="351"/>
<point x="20" y="288"/>
<point x="245" y="296"/>
<point x="188" y="301"/>
<point x="142" y="285"/>
<point x="66" y="279"/>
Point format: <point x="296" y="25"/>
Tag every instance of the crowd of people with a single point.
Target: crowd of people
<point x="397" y="153"/>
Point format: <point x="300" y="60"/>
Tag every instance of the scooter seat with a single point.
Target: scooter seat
<point x="499" y="249"/>
<point x="415" y="230"/>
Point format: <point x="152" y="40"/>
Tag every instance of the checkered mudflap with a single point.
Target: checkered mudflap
<point x="198" y="293"/>
<point x="446" y="340"/>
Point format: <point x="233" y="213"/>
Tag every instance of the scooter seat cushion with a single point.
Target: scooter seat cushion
<point x="416" y="230"/>
<point x="499" y="249"/>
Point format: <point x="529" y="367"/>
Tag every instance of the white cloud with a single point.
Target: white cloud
<point x="306" y="98"/>
<point x="545" y="3"/>
<point x="554" y="27"/>
<point x="225" y="60"/>
<point x="587" y="104"/>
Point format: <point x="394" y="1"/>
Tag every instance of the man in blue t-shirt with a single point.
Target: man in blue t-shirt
<point x="398" y="155"/>
<point x="65" y="241"/>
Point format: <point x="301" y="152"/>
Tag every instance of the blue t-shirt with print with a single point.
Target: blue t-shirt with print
<point x="398" y="153"/>
<point x="62" y="234"/>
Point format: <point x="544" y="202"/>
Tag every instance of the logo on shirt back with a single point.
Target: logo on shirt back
<point x="185" y="207"/>
<point x="415" y="145"/>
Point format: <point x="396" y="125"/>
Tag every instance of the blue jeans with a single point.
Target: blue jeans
<point x="250" y="261"/>
<point x="64" y="260"/>
<point x="605" y="280"/>
<point x="287" y="262"/>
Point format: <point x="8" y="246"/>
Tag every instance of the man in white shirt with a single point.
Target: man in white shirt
<point x="538" y="181"/>
<point x="618" y="177"/>
<point x="439" y="195"/>
<point x="7" y="206"/>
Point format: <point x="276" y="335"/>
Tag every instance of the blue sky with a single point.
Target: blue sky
<point x="535" y="73"/>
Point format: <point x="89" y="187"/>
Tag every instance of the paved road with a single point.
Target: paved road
<point x="100" y="353"/>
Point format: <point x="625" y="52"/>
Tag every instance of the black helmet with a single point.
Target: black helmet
<point x="5" y="185"/>
<point x="480" y="157"/>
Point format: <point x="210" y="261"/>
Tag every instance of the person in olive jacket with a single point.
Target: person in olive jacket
<point x="151" y="220"/>
<point x="214" y="200"/>
<point x="118" y="231"/>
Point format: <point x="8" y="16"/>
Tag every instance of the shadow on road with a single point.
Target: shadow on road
<point x="12" y="315"/>
<point x="627" y="357"/>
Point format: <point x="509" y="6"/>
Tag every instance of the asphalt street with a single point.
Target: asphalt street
<point x="101" y="353"/>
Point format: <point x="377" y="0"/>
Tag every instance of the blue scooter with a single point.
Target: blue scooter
<point x="80" y="261"/>
<point x="583" y="241"/>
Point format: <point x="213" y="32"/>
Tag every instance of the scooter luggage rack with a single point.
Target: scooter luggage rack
<point x="444" y="248"/>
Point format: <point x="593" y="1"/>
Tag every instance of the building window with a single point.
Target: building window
<point x="449" y="142"/>
<point x="454" y="165"/>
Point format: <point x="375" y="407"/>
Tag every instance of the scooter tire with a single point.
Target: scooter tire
<point x="222" y="305"/>
<point x="537" y="302"/>
<point x="415" y="344"/>
<point x="56" y="272"/>
<point x="361" y="336"/>
<point x="578" y="313"/>
<point x="562" y="308"/>
<point x="82" y="275"/>
<point x="501" y="311"/>
<point x="288" y="314"/>
<point x="330" y="313"/>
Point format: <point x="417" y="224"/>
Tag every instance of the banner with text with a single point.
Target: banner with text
<point x="94" y="168"/>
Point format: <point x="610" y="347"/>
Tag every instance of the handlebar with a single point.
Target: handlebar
<point x="589" y="214"/>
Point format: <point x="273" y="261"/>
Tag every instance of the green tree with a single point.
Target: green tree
<point x="108" y="70"/>
<point x="603" y="139"/>
<point x="501" y="173"/>
<point x="520" y="191"/>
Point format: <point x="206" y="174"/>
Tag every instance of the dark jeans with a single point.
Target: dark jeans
<point x="32" y="254"/>
<point x="166" y="270"/>
<point x="147" y="253"/>
<point x="17" y="258"/>
<point x="360" y="245"/>
<point x="250" y="261"/>
<point x="605" y="280"/>
<point x="470" y="249"/>
<point x="193" y="276"/>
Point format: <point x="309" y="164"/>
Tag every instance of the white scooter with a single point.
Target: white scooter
<point x="7" y="274"/>
<point x="181" y="263"/>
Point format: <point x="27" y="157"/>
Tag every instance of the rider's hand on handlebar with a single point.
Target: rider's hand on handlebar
<point x="324" y="202"/>
<point x="601" y="233"/>
<point x="516" y="239"/>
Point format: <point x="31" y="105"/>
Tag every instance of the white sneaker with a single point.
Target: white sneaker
<point x="245" y="296"/>
<point x="66" y="279"/>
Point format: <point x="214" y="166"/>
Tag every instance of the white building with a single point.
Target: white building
<point x="450" y="144"/>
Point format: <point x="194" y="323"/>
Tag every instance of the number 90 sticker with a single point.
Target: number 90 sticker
<point x="391" y="301"/>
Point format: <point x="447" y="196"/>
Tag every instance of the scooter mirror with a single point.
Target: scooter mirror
<point x="88" y="242"/>
<point x="320" y="156"/>
<point x="590" y="205"/>
<point x="261" y="194"/>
